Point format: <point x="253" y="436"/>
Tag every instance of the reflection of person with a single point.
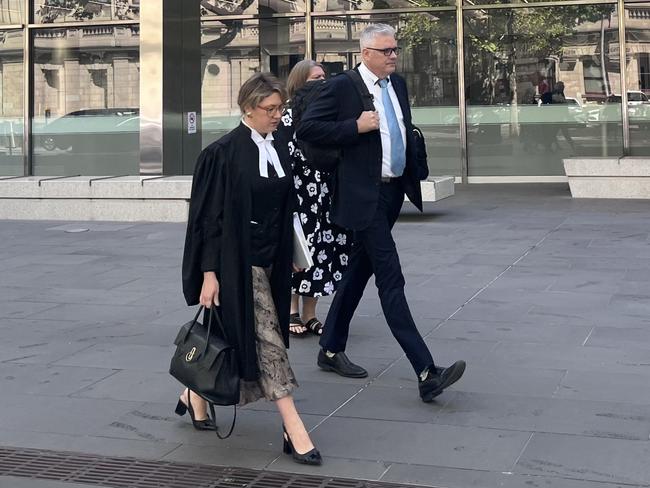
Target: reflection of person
<point x="543" y="87"/>
<point x="329" y="243"/>
<point x="238" y="252"/>
<point x="376" y="170"/>
<point x="558" y="97"/>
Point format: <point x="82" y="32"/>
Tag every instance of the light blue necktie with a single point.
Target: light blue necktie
<point x="397" y="150"/>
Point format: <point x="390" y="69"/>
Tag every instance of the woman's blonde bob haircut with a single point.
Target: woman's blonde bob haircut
<point x="299" y="74"/>
<point x="257" y="88"/>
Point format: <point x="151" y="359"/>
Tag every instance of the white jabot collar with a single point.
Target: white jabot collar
<point x="267" y="153"/>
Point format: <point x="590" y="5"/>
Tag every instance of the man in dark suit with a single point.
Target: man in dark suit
<point x="378" y="167"/>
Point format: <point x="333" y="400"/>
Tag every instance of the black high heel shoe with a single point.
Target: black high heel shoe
<point x="181" y="409"/>
<point x="312" y="457"/>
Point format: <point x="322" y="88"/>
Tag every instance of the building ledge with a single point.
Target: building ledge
<point x="122" y="198"/>
<point x="627" y="177"/>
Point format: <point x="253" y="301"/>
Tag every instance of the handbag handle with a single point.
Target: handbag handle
<point x="217" y="319"/>
<point x="213" y="316"/>
<point x="196" y="317"/>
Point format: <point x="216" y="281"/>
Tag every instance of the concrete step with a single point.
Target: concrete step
<point x="122" y="198"/>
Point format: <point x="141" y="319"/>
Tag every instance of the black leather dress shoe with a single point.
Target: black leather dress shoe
<point x="436" y="381"/>
<point x="340" y="364"/>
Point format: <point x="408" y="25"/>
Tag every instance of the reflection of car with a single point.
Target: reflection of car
<point x="116" y="128"/>
<point x="638" y="104"/>
<point x="573" y="101"/>
<point x="634" y="97"/>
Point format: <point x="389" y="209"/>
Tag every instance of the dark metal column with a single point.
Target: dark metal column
<point x="27" y="90"/>
<point x="170" y="85"/>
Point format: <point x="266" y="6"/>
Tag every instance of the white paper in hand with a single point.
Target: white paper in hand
<point x="301" y="254"/>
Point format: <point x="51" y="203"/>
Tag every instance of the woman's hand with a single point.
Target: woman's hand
<point x="296" y="269"/>
<point x="209" y="290"/>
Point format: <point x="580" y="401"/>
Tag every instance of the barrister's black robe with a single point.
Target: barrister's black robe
<point x="218" y="239"/>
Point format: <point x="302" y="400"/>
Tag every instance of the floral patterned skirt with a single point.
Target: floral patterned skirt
<point x="276" y="376"/>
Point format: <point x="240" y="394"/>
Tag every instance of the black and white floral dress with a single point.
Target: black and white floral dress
<point x="330" y="244"/>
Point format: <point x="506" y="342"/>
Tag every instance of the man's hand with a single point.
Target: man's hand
<point x="368" y="121"/>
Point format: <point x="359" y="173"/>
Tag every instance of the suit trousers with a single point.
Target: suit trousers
<point x="374" y="252"/>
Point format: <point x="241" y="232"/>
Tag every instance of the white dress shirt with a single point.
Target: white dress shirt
<point x="267" y="153"/>
<point x="370" y="79"/>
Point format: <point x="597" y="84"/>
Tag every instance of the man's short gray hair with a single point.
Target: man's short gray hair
<point x="374" y="30"/>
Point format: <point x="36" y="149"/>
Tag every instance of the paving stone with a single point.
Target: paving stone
<point x="85" y="443"/>
<point x="220" y="455"/>
<point x="333" y="466"/>
<point x="441" y="477"/>
<point x="405" y="404"/>
<point x="568" y="357"/>
<point x="90" y="313"/>
<point x="36" y="379"/>
<point x="35" y="351"/>
<point x="26" y="332"/>
<point x="143" y="333"/>
<point x="122" y="356"/>
<point x="617" y="337"/>
<point x="513" y="332"/>
<point x="17" y="309"/>
<point x="606" y="386"/>
<point x="133" y="385"/>
<point x="58" y="415"/>
<point x="471" y="448"/>
<point x="551" y="415"/>
<point x="587" y="458"/>
<point x="84" y="296"/>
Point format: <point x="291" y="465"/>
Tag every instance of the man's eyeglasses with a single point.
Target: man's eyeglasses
<point x="272" y="110"/>
<point x="388" y="51"/>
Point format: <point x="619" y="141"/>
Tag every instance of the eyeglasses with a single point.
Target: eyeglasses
<point x="272" y="110"/>
<point x="388" y="51"/>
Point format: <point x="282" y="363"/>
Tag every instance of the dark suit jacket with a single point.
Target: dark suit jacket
<point x="332" y="120"/>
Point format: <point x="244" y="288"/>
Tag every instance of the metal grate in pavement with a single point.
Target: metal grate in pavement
<point x="135" y="473"/>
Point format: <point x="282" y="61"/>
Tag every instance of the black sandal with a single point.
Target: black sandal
<point x="315" y="326"/>
<point x="295" y="322"/>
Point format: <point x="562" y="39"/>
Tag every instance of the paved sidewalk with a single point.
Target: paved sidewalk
<point x="547" y="298"/>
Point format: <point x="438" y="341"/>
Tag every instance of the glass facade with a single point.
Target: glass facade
<point x="86" y="101"/>
<point x="501" y="88"/>
<point x="231" y="51"/>
<point x="50" y="11"/>
<point x="535" y="94"/>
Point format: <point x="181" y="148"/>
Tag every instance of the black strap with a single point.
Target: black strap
<point x="214" y="420"/>
<point x="366" y="97"/>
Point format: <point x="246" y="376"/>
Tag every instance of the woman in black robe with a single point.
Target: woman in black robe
<point x="238" y="254"/>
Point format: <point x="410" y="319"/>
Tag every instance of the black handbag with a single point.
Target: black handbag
<point x="206" y="364"/>
<point x="420" y="153"/>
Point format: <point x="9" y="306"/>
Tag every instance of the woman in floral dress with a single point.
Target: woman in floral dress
<point x="329" y="243"/>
